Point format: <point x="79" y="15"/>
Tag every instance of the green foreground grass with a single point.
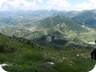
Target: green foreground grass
<point x="22" y="57"/>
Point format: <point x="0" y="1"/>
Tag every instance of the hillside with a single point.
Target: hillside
<point x="59" y="20"/>
<point x="35" y="24"/>
<point x="62" y="25"/>
<point x="23" y="56"/>
<point x="87" y="18"/>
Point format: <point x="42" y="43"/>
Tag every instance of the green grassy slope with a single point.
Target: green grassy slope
<point x="25" y="57"/>
<point x="51" y="22"/>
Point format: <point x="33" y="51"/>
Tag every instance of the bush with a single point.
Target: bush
<point x="33" y="57"/>
<point x="6" y="49"/>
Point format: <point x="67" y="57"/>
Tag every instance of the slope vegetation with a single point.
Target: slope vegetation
<point x="23" y="56"/>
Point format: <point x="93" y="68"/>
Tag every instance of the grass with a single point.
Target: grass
<point x="35" y="58"/>
<point x="90" y="36"/>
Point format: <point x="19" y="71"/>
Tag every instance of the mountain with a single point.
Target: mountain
<point x="69" y="14"/>
<point x="87" y="18"/>
<point x="35" y="24"/>
<point x="24" y="17"/>
<point x="61" y="24"/>
<point x="64" y="26"/>
<point x="56" y="23"/>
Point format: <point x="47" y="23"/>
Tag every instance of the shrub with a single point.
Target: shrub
<point x="6" y="49"/>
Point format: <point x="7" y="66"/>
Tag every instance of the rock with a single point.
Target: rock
<point x="78" y="55"/>
<point x="51" y="63"/>
<point x="1" y="69"/>
<point x="94" y="69"/>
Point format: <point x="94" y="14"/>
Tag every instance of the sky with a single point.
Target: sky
<point x="47" y="4"/>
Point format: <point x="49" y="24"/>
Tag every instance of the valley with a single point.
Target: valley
<point x="47" y="41"/>
<point x="37" y="24"/>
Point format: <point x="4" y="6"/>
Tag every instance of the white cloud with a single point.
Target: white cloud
<point x="58" y="4"/>
<point x="93" y="3"/>
<point x="87" y="5"/>
<point x="82" y="6"/>
<point x="17" y="4"/>
<point x="46" y="4"/>
<point x="28" y="5"/>
<point x="41" y="1"/>
<point x="34" y="4"/>
<point x="2" y="1"/>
